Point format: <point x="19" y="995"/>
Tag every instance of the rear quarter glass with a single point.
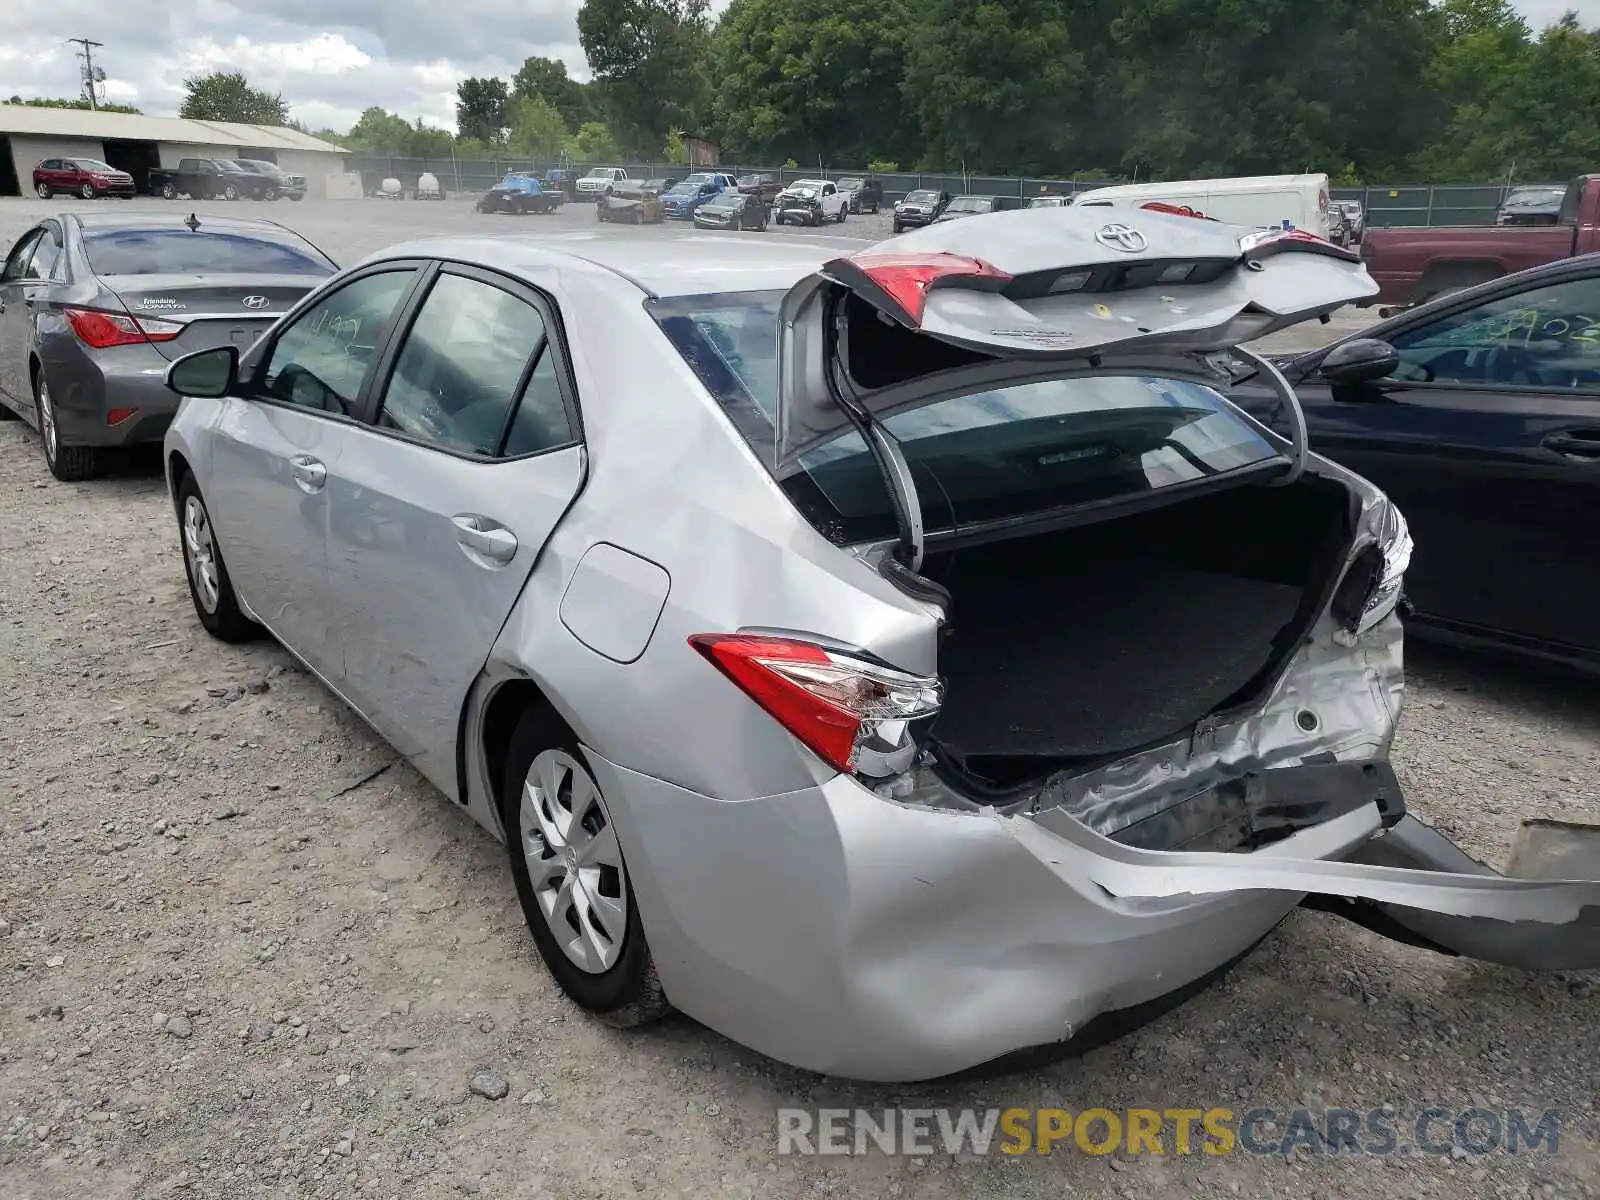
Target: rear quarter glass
<point x="984" y="456"/>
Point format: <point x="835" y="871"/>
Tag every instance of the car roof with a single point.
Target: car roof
<point x="681" y="266"/>
<point x="146" y="219"/>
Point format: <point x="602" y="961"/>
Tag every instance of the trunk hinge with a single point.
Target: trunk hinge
<point x="884" y="446"/>
<point x="1290" y="403"/>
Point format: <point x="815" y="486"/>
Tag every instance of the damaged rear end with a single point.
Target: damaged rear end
<point x="1166" y="653"/>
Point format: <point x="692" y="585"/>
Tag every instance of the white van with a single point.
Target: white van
<point x="1260" y="202"/>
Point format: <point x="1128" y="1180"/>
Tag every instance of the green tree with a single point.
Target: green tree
<point x="379" y="132"/>
<point x="593" y="143"/>
<point x="481" y="109"/>
<point x="74" y="102"/>
<point x="1001" y="83"/>
<point x="228" y="96"/>
<point x="547" y="78"/>
<point x="649" y="59"/>
<point x="813" y="77"/>
<point x="537" y="130"/>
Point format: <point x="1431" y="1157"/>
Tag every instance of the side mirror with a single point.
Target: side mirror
<point x="1359" y="361"/>
<point x="208" y="374"/>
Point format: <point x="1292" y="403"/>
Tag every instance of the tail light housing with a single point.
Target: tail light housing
<point x="904" y="279"/>
<point x="853" y="713"/>
<point x="102" y="330"/>
<point x="1277" y="241"/>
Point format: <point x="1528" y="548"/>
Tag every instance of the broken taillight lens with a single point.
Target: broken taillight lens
<point x="1273" y="241"/>
<point x="102" y="330"/>
<point x="905" y="278"/>
<point x="853" y="713"/>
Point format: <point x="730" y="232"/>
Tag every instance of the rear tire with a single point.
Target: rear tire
<point x="70" y="464"/>
<point x="549" y="795"/>
<point x="209" y="586"/>
<point x="43" y="191"/>
<point x="168" y="192"/>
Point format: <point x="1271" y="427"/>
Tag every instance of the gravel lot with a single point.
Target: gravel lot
<point x="246" y="953"/>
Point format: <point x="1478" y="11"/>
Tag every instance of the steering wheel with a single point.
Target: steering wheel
<point x="1513" y="364"/>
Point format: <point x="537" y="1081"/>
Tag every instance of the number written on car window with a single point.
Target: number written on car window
<point x="1546" y="338"/>
<point x="320" y="360"/>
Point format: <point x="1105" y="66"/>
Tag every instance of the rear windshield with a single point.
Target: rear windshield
<point x="203" y="251"/>
<point x="980" y="457"/>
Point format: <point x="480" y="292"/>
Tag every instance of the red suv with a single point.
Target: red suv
<point x="86" y="177"/>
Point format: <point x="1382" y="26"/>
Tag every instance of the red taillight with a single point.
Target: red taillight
<point x="102" y="330"/>
<point x="117" y="416"/>
<point x="1273" y="241"/>
<point x="837" y="704"/>
<point x="906" y="278"/>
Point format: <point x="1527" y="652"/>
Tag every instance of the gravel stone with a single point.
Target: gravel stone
<point x="490" y="1085"/>
<point x="179" y="1026"/>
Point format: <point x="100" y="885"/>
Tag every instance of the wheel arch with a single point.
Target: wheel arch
<point x="502" y="710"/>
<point x="177" y="467"/>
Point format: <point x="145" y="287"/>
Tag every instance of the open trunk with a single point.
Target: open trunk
<point x="1089" y="642"/>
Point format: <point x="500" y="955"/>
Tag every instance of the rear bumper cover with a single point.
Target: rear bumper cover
<point x="126" y="377"/>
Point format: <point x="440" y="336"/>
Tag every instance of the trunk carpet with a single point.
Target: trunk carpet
<point x="1070" y="668"/>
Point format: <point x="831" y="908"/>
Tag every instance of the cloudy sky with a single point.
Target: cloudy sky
<point x="329" y="58"/>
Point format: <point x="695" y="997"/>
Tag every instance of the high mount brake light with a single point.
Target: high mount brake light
<point x="102" y="330"/>
<point x="906" y="278"/>
<point x="852" y="713"/>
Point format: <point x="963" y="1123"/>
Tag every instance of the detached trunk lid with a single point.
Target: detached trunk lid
<point x="1008" y="295"/>
<point x="213" y="310"/>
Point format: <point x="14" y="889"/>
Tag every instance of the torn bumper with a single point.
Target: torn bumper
<point x="840" y="932"/>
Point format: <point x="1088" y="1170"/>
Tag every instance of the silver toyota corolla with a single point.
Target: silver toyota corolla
<point x="894" y="661"/>
<point x="93" y="306"/>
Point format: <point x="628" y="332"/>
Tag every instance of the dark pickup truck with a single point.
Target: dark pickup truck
<point x="208" y="179"/>
<point x="1414" y="265"/>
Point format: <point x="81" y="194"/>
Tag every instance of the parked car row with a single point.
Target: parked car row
<point x="197" y="178"/>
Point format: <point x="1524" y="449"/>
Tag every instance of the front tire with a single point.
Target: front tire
<point x="209" y="586"/>
<point x="42" y="190"/>
<point x="230" y="192"/>
<point x="70" y="464"/>
<point x="269" y="193"/>
<point x="87" y="191"/>
<point x="566" y="861"/>
<point x="297" y="196"/>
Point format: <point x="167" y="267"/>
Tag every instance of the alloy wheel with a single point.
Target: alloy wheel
<point x="168" y="192"/>
<point x="87" y="191"/>
<point x="47" y="422"/>
<point x="200" y="549"/>
<point x="574" y="861"/>
<point x="230" y="192"/>
<point x="42" y="190"/>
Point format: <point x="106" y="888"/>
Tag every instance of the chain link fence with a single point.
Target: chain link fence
<point x="1385" y="206"/>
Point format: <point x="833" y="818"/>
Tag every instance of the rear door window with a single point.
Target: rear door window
<point x="1004" y="452"/>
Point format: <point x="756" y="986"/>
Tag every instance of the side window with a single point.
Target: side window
<point x="541" y="421"/>
<point x="45" y="256"/>
<point x="320" y="360"/>
<point x="17" y="260"/>
<point x="1546" y="337"/>
<point x="458" y="373"/>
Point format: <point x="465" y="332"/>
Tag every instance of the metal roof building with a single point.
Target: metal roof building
<point x="136" y="143"/>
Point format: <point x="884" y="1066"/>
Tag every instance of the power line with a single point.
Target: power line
<point x="91" y="74"/>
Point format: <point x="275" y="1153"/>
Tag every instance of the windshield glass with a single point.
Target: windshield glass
<point x="970" y="204"/>
<point x="979" y="457"/>
<point x="600" y="173"/>
<point x="848" y="185"/>
<point x="202" y="252"/>
<point x="921" y="197"/>
<point x="806" y="185"/>
<point x="93" y="164"/>
<point x="752" y="180"/>
<point x="684" y="189"/>
<point x="724" y="200"/>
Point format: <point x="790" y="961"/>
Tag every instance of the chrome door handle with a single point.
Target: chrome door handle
<point x="483" y="536"/>
<point x="308" y="472"/>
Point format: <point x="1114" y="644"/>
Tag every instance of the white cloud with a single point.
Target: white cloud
<point x="329" y="58"/>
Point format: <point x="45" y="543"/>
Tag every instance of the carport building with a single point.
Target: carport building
<point x="135" y="144"/>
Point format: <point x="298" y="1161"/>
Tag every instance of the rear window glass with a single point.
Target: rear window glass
<point x="203" y="251"/>
<point x="980" y="457"/>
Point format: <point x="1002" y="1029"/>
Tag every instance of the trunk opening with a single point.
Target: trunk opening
<point x="1082" y="645"/>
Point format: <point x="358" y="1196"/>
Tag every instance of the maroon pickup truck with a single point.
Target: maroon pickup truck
<point x="1414" y="265"/>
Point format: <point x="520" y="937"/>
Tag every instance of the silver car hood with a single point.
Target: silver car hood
<point x="1001" y="304"/>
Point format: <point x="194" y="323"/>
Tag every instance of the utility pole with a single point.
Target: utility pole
<point x="92" y="75"/>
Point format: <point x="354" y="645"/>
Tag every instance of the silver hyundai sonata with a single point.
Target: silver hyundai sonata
<point x="895" y="661"/>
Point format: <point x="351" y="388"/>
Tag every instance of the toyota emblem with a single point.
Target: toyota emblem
<point x="257" y="302"/>
<point x="1121" y="237"/>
